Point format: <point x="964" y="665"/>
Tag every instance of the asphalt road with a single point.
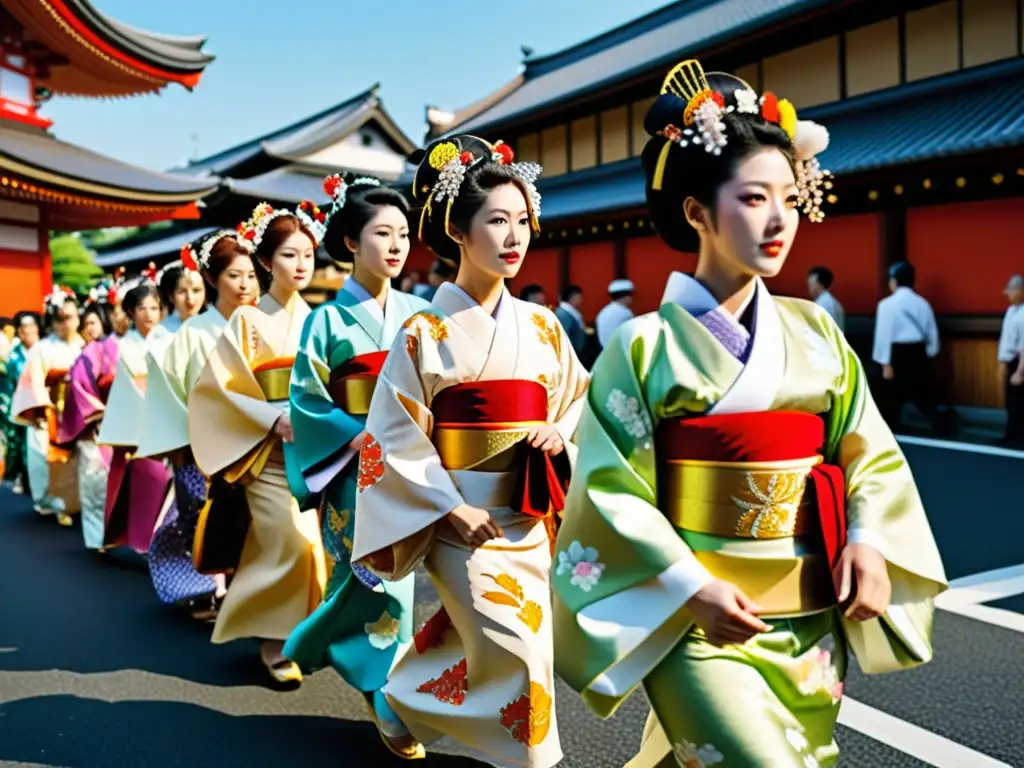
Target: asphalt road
<point x="94" y="672"/>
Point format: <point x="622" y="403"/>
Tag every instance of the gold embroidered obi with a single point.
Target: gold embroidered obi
<point x="274" y="378"/>
<point x="751" y="496"/>
<point x="352" y="383"/>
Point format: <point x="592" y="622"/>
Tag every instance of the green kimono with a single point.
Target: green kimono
<point x="624" y="572"/>
<point x="364" y="624"/>
<point x="13" y="434"/>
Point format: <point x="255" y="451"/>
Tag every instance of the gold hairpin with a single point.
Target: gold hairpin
<point x="686" y="80"/>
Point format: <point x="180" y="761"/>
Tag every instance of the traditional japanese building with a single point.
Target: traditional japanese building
<point x="67" y="47"/>
<point x="923" y="101"/>
<point x="282" y="167"/>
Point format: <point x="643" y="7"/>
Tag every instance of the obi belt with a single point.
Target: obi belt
<point x="752" y="497"/>
<point x="57" y="384"/>
<point x="352" y="383"/>
<point x="481" y="428"/>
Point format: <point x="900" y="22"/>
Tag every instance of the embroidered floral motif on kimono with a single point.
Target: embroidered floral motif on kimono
<point x="383" y="633"/>
<point x="429" y="322"/>
<point x="627" y="411"/>
<point x="433" y="632"/>
<point x="582" y="563"/>
<point x="690" y="756"/>
<point x="412" y="347"/>
<point x="450" y="687"/>
<point x="820" y="674"/>
<point x="770" y="512"/>
<point x="545" y="332"/>
<point x="528" y="718"/>
<point x="530" y="612"/>
<point x="371" y="463"/>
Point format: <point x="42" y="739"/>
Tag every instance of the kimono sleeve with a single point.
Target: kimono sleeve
<point x="403" y="489"/>
<point x="884" y="510"/>
<point x="165" y="409"/>
<point x="622" y="573"/>
<point x="31" y="396"/>
<point x="567" y="405"/>
<point x="323" y="430"/>
<point x="228" y="415"/>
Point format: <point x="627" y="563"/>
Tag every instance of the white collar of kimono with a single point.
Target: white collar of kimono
<point x="499" y="310"/>
<point x="366" y="301"/>
<point x="758" y="383"/>
<point x="693" y="296"/>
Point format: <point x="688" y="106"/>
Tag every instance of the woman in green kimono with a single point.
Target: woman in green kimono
<point x="15" y="470"/>
<point x="364" y="624"/>
<point x="740" y="516"/>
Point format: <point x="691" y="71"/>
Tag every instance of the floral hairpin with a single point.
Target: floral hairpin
<point x="453" y="165"/>
<point x="252" y="230"/>
<point x="337" y="189"/>
<point x="704" y="126"/>
<point x="199" y="260"/>
<point x="105" y="290"/>
<point x="58" y="297"/>
<point x="149" y="273"/>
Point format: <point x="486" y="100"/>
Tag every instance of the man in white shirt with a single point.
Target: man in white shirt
<point x="616" y="312"/>
<point x="819" y="287"/>
<point x="1011" y="361"/>
<point x="906" y="340"/>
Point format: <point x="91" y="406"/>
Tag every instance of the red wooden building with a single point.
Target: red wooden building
<point x="67" y="47"/>
<point x="923" y="100"/>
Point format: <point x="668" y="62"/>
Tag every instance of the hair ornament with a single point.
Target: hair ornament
<point x="308" y="213"/>
<point x="149" y="274"/>
<point x="171" y="265"/>
<point x="57" y="298"/>
<point x="106" y="290"/>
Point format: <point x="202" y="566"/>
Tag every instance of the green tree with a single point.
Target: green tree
<point x="73" y="263"/>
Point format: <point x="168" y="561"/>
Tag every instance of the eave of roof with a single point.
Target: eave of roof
<point x="899" y="126"/>
<point x="652" y="42"/>
<point x="152" y="249"/>
<point x="40" y="156"/>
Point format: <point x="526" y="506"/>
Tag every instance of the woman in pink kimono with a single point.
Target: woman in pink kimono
<point x="464" y="466"/>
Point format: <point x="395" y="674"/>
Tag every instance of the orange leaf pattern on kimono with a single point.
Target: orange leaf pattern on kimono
<point x="531" y="615"/>
<point x="528" y="718"/>
<point x="434" y="325"/>
<point x="450" y="687"/>
<point x="500" y="598"/>
<point x="371" y="463"/>
<point x="545" y="332"/>
<point x="509" y="584"/>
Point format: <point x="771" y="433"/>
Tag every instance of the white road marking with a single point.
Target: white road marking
<point x="966" y="596"/>
<point x="915" y="741"/>
<point x="954" y="445"/>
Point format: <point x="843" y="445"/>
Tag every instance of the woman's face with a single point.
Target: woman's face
<point x="120" y="321"/>
<point x="757" y="215"/>
<point x="65" y="324"/>
<point x="189" y="294"/>
<point x="499" y="233"/>
<point x="291" y="266"/>
<point x="92" y="328"/>
<point x="28" y="333"/>
<point x="146" y="315"/>
<point x="237" y="283"/>
<point x="383" y="243"/>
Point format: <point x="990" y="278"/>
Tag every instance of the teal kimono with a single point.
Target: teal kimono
<point x="14" y="434"/>
<point x="363" y="624"/>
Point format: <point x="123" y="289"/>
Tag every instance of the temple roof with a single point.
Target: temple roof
<point x="95" y="55"/>
<point x="649" y="43"/>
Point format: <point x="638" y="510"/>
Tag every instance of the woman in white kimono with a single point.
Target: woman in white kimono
<point x="740" y="515"/>
<point x="463" y="466"/>
<point x="136" y="487"/>
<point x="225" y="263"/>
<point x="38" y="403"/>
<point x="182" y="290"/>
<point x="241" y="433"/>
<point x="343" y="347"/>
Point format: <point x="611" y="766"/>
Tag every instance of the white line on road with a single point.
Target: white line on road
<point x="915" y="741"/>
<point x="996" y="616"/>
<point x="953" y="445"/>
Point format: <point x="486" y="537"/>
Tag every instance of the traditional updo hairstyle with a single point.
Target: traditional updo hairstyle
<point x="482" y="173"/>
<point x="363" y="195"/>
<point x="225" y="250"/>
<point x="168" y="284"/>
<point x="677" y="172"/>
<point x="137" y="295"/>
<point x="55" y="304"/>
<point x="277" y="231"/>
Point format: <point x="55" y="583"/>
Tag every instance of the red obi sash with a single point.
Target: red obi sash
<point x="752" y="475"/>
<point x="482" y="426"/>
<point x="352" y="383"/>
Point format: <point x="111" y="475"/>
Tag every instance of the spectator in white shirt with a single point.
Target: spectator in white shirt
<point x="906" y="339"/>
<point x="819" y="286"/>
<point x="1011" y="359"/>
<point x="616" y="312"/>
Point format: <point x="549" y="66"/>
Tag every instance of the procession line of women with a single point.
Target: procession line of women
<point x="716" y="513"/>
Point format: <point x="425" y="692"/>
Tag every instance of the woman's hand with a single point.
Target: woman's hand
<point x="862" y="568"/>
<point x="283" y="428"/>
<point x="727" y="616"/>
<point x="474" y="525"/>
<point x="357" y="442"/>
<point x="547" y="439"/>
<point x="888" y="372"/>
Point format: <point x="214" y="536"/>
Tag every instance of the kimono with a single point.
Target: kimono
<point x="342" y="349"/>
<point x="708" y="451"/>
<point x="240" y="395"/>
<point x="37" y="404"/>
<point x="172" y="375"/>
<point x="136" y="487"/>
<point x="455" y="400"/>
<point x="13" y="433"/>
<point x="84" y="404"/>
<point x="172" y="322"/>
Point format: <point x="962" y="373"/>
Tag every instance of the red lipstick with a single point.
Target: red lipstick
<point x="773" y="248"/>
<point x="511" y="257"/>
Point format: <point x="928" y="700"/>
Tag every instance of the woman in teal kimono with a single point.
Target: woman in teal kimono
<point x="740" y="516"/>
<point x="15" y="468"/>
<point x="363" y="623"/>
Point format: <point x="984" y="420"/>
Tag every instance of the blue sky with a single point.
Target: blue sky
<point x="277" y="65"/>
